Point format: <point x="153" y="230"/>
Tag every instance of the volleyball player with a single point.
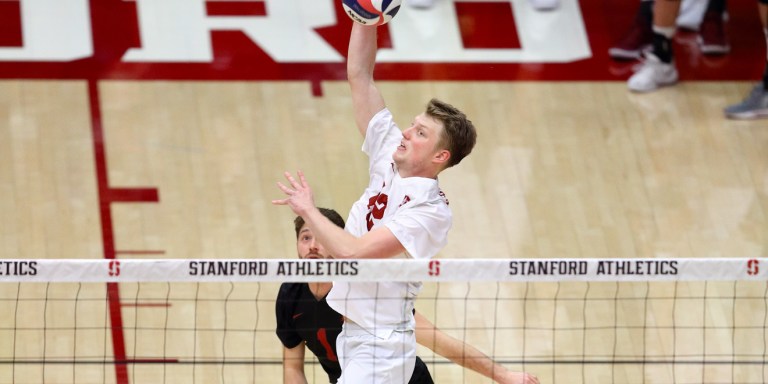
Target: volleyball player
<point x="402" y="213"/>
<point x="305" y="319"/>
<point x="755" y="105"/>
<point x="659" y="68"/>
<point x="705" y="16"/>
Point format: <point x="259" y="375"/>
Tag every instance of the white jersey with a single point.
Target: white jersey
<point x="416" y="212"/>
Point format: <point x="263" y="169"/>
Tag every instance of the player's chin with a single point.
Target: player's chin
<point x="399" y="158"/>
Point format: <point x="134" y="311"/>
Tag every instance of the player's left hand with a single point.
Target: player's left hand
<point x="512" y="377"/>
<point x="300" y="198"/>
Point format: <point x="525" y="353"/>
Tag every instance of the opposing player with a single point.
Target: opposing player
<point x="305" y="319"/>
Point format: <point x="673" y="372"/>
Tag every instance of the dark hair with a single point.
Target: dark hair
<point x="332" y="215"/>
<point x="459" y="135"/>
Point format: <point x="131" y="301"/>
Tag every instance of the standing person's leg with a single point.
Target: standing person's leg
<point x="664" y="27"/>
<point x="712" y="38"/>
<point x="639" y="37"/>
<point x="756" y="104"/>
<point x="659" y="67"/>
<point x="691" y="14"/>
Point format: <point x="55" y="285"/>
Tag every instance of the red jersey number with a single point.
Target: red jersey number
<point x="376" y="206"/>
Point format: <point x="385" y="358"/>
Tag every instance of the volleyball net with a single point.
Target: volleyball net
<point x="213" y="321"/>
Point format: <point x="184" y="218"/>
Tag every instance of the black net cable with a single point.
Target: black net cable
<point x="554" y="334"/>
<point x="495" y="324"/>
<point x="674" y="336"/>
<point x="704" y="330"/>
<point x="224" y="336"/>
<point x="45" y="332"/>
<point x="105" y="301"/>
<point x="194" y="333"/>
<point x="584" y="332"/>
<point x="15" y="325"/>
<point x="434" y="310"/>
<point x="464" y="328"/>
<point x="256" y="326"/>
<point x="765" y="326"/>
<point x="135" y="327"/>
<point x="733" y="331"/>
<point x="74" y="332"/>
<point x="645" y="329"/>
<point x="525" y="322"/>
<point x="165" y="334"/>
<point x="615" y="329"/>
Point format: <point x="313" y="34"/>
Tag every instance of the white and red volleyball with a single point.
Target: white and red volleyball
<point x="371" y="12"/>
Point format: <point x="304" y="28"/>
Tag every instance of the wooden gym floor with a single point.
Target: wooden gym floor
<point x="562" y="169"/>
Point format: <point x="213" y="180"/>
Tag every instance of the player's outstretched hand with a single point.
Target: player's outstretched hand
<point x="300" y="198"/>
<point x="511" y="377"/>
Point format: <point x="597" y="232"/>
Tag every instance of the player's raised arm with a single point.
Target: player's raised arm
<point x="361" y="59"/>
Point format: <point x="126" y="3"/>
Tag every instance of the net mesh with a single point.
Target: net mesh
<point x="705" y="324"/>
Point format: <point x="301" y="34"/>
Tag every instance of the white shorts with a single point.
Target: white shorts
<point x="367" y="359"/>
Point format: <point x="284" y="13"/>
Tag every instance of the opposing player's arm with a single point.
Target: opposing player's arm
<point x="466" y="355"/>
<point x="361" y="59"/>
<point x="293" y="365"/>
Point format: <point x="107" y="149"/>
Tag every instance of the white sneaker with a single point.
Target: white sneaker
<point x="422" y="4"/>
<point x="652" y="74"/>
<point x="545" y="5"/>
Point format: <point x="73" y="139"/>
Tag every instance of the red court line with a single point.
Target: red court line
<point x="134" y="195"/>
<point x="107" y="196"/>
<point x="107" y="234"/>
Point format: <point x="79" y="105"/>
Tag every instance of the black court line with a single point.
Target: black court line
<point x="279" y="362"/>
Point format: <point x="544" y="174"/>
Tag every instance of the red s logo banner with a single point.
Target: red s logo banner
<point x="434" y="267"/>
<point x="114" y="268"/>
<point x="753" y="267"/>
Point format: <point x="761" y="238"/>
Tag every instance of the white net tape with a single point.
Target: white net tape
<point x="517" y="270"/>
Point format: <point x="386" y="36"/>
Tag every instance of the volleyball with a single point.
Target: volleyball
<point x="371" y="12"/>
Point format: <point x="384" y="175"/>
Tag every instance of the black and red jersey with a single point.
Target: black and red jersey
<point x="302" y="317"/>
